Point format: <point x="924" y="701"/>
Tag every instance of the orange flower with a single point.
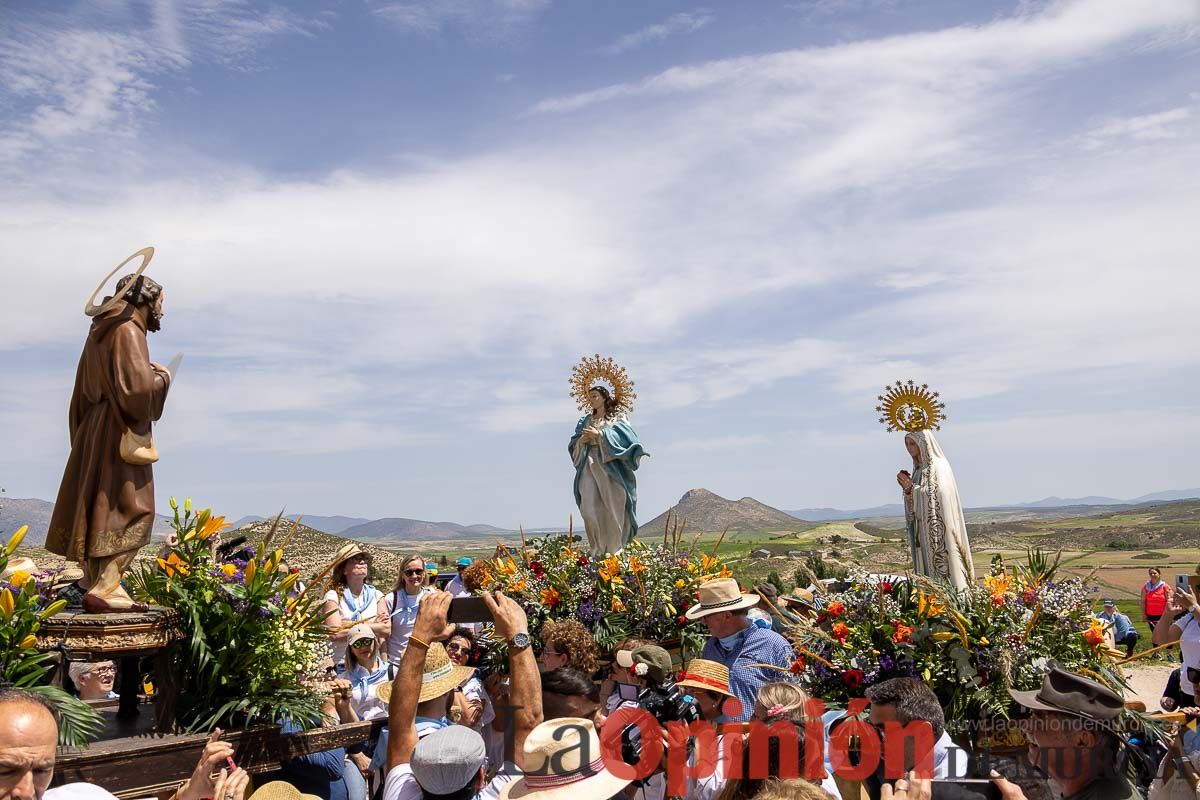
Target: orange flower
<point x="1094" y="635"/>
<point x="840" y="631"/>
<point x="903" y="633"/>
<point x="725" y="572"/>
<point x="707" y="562"/>
<point x="929" y="605"/>
<point x="617" y="605"/>
<point x="611" y="570"/>
<point x="173" y="564"/>
<point x="998" y="585"/>
<point x="835" y="609"/>
<point x="550" y="597"/>
<point x="636" y="566"/>
<point x="516" y="587"/>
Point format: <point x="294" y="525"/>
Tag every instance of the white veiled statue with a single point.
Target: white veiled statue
<point x="937" y="531"/>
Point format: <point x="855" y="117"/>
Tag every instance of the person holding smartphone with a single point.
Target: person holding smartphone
<point x="1186" y="631"/>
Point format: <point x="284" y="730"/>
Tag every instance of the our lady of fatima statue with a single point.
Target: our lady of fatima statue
<point x="937" y="531"/>
<point x="605" y="451"/>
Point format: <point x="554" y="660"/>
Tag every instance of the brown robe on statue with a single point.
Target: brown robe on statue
<point x="105" y="506"/>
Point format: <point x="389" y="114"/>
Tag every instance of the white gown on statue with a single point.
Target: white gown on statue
<point x="937" y="528"/>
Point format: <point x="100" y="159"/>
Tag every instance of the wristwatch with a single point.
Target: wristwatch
<point x="518" y="642"/>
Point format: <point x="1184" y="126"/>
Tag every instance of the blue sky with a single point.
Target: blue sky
<point x="387" y="231"/>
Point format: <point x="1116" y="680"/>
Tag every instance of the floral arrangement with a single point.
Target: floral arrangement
<point x="644" y="591"/>
<point x="249" y="635"/>
<point x="970" y="646"/>
<point x="26" y="601"/>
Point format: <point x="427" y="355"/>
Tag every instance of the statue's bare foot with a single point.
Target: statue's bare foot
<point x="95" y="604"/>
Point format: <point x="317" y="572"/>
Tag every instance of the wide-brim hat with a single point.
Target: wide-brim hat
<point x="280" y="790"/>
<point x="441" y="675"/>
<point x="345" y="553"/>
<point x="701" y="673"/>
<point x="19" y="564"/>
<point x="555" y="765"/>
<point x="720" y="594"/>
<point x="1068" y="693"/>
<point x="800" y="597"/>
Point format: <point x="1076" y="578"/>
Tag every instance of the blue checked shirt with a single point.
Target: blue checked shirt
<point x="754" y="646"/>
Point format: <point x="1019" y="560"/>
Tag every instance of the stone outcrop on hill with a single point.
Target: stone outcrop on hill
<point x="705" y="511"/>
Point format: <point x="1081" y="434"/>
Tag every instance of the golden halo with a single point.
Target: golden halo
<point x="591" y="371"/>
<point x="911" y="408"/>
<point x="91" y="309"/>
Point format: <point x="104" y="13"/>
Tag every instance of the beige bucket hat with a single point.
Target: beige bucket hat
<point x="720" y="594"/>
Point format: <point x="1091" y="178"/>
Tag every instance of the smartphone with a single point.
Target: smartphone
<point x="469" y="609"/>
<point x="964" y="788"/>
<point x="1181" y="581"/>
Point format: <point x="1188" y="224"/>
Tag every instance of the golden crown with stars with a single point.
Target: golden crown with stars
<point x="905" y="406"/>
<point x="603" y="371"/>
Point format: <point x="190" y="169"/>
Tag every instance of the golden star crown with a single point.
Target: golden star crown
<point x="908" y="407"/>
<point x="606" y="372"/>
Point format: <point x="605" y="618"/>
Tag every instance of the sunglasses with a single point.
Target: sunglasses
<point x="412" y="573"/>
<point x="362" y="643"/>
<point x="457" y="648"/>
<point x="103" y="671"/>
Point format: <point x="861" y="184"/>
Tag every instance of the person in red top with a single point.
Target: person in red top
<point x="1154" y="597"/>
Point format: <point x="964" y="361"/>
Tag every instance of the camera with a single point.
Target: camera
<point x="666" y="703"/>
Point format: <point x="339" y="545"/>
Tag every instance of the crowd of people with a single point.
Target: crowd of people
<point x="559" y="719"/>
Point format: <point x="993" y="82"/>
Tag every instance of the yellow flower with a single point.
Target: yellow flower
<point x="287" y="583"/>
<point x="636" y="566"/>
<point x="516" y="587"/>
<point x="679" y="583"/>
<point x="15" y="541"/>
<point x="506" y="566"/>
<point x="707" y="562"/>
<point x="929" y="605"/>
<point x="943" y="636"/>
<point x="550" y="597"/>
<point x="19" y="578"/>
<point x="998" y="585"/>
<point x="29" y="642"/>
<point x="6" y="603"/>
<point x="611" y="570"/>
<point x="488" y="579"/>
<point x="617" y="605"/>
<point x="725" y="572"/>
<point x="211" y="525"/>
<point x="52" y="609"/>
<point x="249" y="571"/>
<point x="229" y="569"/>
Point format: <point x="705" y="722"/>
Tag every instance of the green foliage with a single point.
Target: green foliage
<point x="817" y="567"/>
<point x="774" y="579"/>
<point x="25" y="603"/>
<point x="249" y="637"/>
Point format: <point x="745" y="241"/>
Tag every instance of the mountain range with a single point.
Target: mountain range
<point x="18" y="511"/>
<point x="705" y="511"/>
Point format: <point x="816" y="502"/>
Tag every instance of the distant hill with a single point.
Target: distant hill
<point x="312" y="550"/>
<point x="335" y="524"/>
<point x="833" y="514"/>
<point x="18" y="511"/>
<point x="393" y="528"/>
<point x="705" y="511"/>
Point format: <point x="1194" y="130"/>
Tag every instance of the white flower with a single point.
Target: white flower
<point x="640" y="669"/>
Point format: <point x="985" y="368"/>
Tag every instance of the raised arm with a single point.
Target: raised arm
<point x="525" y="696"/>
<point x="431" y="625"/>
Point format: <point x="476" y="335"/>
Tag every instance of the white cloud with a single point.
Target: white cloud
<point x="681" y="24"/>
<point x="1144" y="127"/>
<point x="479" y="19"/>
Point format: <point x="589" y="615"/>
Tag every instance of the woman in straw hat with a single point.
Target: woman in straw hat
<point x="349" y="600"/>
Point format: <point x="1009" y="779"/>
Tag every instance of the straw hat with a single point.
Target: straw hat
<point x="701" y="673"/>
<point x="20" y="563"/>
<point x="720" y="594"/>
<point x="441" y="676"/>
<point x="555" y="768"/>
<point x="280" y="790"/>
<point x="800" y="597"/>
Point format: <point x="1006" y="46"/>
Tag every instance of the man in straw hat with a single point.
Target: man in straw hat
<point x="741" y="647"/>
<point x="104" y="511"/>
<point x="451" y="763"/>
<point x="1073" y="732"/>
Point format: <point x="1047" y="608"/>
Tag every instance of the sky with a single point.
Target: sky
<point x="387" y="230"/>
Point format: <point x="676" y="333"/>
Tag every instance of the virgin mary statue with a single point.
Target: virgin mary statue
<point x="937" y="531"/>
<point x="605" y="451"/>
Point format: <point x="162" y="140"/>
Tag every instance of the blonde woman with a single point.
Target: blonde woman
<point x="349" y="599"/>
<point x="401" y="605"/>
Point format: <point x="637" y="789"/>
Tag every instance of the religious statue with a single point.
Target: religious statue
<point x="105" y="507"/>
<point x="605" y="451"/>
<point x="937" y="531"/>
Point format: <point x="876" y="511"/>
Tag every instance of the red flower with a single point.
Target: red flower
<point x="682" y="620"/>
<point x="581" y="561"/>
<point x="822" y="617"/>
<point x="537" y="568"/>
<point x="853" y="678"/>
<point x="885" y="587"/>
<point x="797" y="666"/>
<point x="835" y="609"/>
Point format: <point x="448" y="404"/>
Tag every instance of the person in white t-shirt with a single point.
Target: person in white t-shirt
<point x="456" y="587"/>
<point x="349" y="599"/>
<point x="452" y="762"/>
<point x="402" y="604"/>
<point x="1186" y="631"/>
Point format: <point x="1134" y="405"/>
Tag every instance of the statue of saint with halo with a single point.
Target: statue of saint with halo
<point x="937" y="531"/>
<point x="605" y="451"/>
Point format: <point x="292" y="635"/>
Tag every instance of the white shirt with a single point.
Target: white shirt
<point x="78" y="791"/>
<point x="402" y="609"/>
<point x="354" y="608"/>
<point x="1189" y="647"/>
<point x="401" y="784"/>
<point x="365" y="701"/>
<point x="455" y="587"/>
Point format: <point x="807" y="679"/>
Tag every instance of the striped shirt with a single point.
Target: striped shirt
<point x="754" y="645"/>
